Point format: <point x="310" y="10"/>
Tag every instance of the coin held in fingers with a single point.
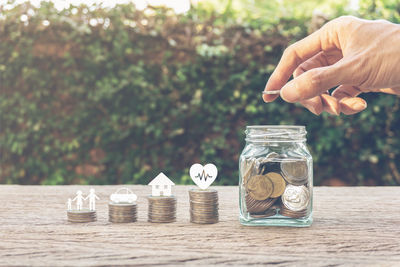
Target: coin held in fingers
<point x="273" y="92"/>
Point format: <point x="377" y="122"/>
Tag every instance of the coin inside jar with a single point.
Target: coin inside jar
<point x="257" y="206"/>
<point x="296" y="198"/>
<point x="278" y="182"/>
<point x="292" y="214"/>
<point x="248" y="167"/>
<point x="265" y="214"/>
<point x="295" y="172"/>
<point x="260" y="187"/>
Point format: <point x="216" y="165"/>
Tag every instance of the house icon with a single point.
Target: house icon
<point x="161" y="185"/>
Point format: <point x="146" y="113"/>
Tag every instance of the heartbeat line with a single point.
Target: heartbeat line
<point x="203" y="175"/>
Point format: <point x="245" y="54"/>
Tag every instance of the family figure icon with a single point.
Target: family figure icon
<point x="80" y="214"/>
<point x="80" y="198"/>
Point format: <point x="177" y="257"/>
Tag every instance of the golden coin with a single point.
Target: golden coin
<point x="260" y="187"/>
<point x="279" y="184"/>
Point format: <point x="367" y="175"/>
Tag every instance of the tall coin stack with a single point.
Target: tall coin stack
<point x="203" y="206"/>
<point x="162" y="209"/>
<point x="122" y="212"/>
<point x="81" y="216"/>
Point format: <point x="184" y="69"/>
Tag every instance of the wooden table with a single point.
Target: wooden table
<point x="352" y="226"/>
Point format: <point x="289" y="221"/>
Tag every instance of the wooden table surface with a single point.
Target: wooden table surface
<point x="352" y="226"/>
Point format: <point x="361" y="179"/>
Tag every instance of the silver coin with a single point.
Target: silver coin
<point x="295" y="172"/>
<point x="296" y="198"/>
<point x="271" y="92"/>
<point x="293" y="214"/>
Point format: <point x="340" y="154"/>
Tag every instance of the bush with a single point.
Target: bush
<point x="110" y="96"/>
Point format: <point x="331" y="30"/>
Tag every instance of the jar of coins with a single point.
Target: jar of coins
<point x="275" y="177"/>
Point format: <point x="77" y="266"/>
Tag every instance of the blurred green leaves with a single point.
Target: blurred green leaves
<point x="93" y="95"/>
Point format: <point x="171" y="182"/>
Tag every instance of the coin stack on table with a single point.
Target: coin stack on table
<point x="81" y="216"/>
<point x="276" y="185"/>
<point x="203" y="206"/>
<point x="162" y="209"/>
<point x="122" y="212"/>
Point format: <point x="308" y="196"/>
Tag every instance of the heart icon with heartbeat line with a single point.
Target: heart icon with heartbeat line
<point x="203" y="176"/>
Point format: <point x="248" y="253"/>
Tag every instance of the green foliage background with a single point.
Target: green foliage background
<point x="138" y="92"/>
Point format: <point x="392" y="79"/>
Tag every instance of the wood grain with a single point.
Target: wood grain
<point x="353" y="226"/>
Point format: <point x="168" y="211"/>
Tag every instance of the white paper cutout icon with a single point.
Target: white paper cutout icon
<point x="161" y="185"/>
<point x="203" y="177"/>
<point x="79" y="198"/>
<point x="69" y="204"/>
<point x="92" y="199"/>
<point x="123" y="195"/>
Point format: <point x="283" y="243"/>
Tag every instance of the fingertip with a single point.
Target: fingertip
<point x="330" y="104"/>
<point x="352" y="105"/>
<point x="318" y="111"/>
<point x="314" y="105"/>
<point x="314" y="111"/>
<point x="269" y="98"/>
<point x="289" y="92"/>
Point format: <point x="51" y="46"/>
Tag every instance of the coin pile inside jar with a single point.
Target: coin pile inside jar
<point x="203" y="206"/>
<point x="81" y="216"/>
<point x="276" y="185"/>
<point x="122" y="212"/>
<point x="162" y="209"/>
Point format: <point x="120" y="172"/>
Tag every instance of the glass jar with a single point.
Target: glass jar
<point x="275" y="177"/>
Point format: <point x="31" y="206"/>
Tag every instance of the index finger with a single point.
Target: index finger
<point x="296" y="54"/>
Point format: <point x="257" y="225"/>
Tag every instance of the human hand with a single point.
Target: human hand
<point x="354" y="54"/>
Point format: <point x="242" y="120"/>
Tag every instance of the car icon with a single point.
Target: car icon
<point x="123" y="195"/>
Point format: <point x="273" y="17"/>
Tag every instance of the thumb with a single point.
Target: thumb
<point x="315" y="82"/>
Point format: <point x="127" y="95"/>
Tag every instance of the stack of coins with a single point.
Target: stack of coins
<point x="122" y="212"/>
<point x="203" y="206"/>
<point x="295" y="201"/>
<point x="162" y="209"/>
<point x="81" y="216"/>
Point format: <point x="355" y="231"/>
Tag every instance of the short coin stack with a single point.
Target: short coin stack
<point x="122" y="212"/>
<point x="81" y="216"/>
<point x="162" y="209"/>
<point x="203" y="206"/>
